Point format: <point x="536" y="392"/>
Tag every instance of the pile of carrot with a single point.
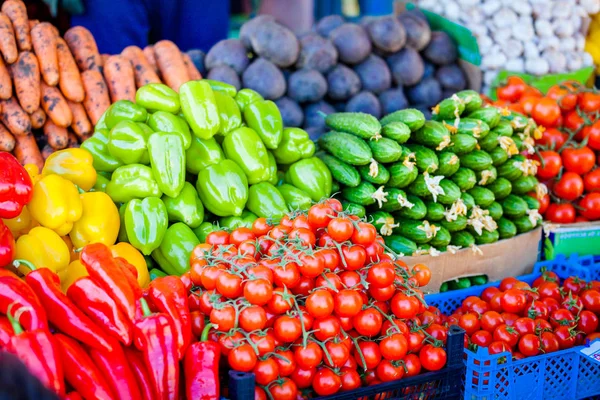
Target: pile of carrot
<point x="53" y="90"/>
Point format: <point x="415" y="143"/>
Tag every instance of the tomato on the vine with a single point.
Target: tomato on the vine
<point x="590" y="206"/>
<point x="550" y="164"/>
<point x="563" y="213"/>
<point x="579" y="160"/>
<point x="432" y="358"/>
<point x="512" y="90"/>
<point x="591" y="181"/>
<point x="529" y="345"/>
<point x="569" y="187"/>
<point x="513" y="300"/>
<point x="546" y="112"/>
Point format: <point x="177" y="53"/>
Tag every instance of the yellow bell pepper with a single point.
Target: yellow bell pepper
<point x="34" y="172"/>
<point x="99" y="222"/>
<point x="44" y="248"/>
<point x="22" y="224"/>
<point x="74" y="165"/>
<point x="55" y="204"/>
<point x="74" y="271"/>
<point x="74" y="255"/>
<point x="135" y="258"/>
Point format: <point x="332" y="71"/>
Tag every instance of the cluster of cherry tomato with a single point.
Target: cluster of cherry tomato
<point x="567" y="148"/>
<point x="526" y="320"/>
<point x="314" y="302"/>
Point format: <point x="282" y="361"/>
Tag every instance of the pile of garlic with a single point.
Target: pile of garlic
<point x="534" y="36"/>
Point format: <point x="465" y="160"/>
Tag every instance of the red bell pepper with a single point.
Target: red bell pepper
<point x="6" y="331"/>
<point x="169" y="296"/>
<point x="16" y="187"/>
<point x="130" y="274"/>
<point x="7" y="245"/>
<point x="118" y="374"/>
<point x="63" y="314"/>
<point x="80" y="371"/>
<point x="101" y="308"/>
<point x="102" y="268"/>
<point x="154" y="336"/>
<point x="138" y="367"/>
<point x="37" y="349"/>
<point x="186" y="279"/>
<point x="15" y="290"/>
<point x="201" y="368"/>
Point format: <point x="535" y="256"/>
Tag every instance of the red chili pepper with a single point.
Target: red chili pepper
<point x="63" y="314"/>
<point x="7" y="245"/>
<point x="201" y="368"/>
<point x="73" y="396"/>
<point x="138" y="367"/>
<point x="102" y="268"/>
<point x="116" y="371"/>
<point x="15" y="186"/>
<point x="101" y="308"/>
<point x="6" y="331"/>
<point x="80" y="371"/>
<point x="37" y="349"/>
<point x="130" y="274"/>
<point x="170" y="297"/>
<point x="14" y="290"/>
<point x="154" y="336"/>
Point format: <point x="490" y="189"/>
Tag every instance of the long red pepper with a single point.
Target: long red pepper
<point x="6" y="331"/>
<point x="201" y="368"/>
<point x="118" y="374"/>
<point x="169" y="296"/>
<point x="154" y="337"/>
<point x="138" y="367"/>
<point x="7" y="245"/>
<point x="102" y="268"/>
<point x="14" y="290"/>
<point x="130" y="274"/>
<point x="101" y="308"/>
<point x="80" y="371"/>
<point x="72" y="396"/>
<point x="63" y="314"/>
<point x="16" y="188"/>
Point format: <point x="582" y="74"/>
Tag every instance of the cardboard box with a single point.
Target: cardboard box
<point x="509" y="257"/>
<point x="581" y="238"/>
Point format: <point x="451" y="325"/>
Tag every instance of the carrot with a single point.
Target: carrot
<point x="14" y="118"/>
<point x="81" y="123"/>
<point x="58" y="137"/>
<point x="56" y="106"/>
<point x="103" y="58"/>
<point x="69" y="78"/>
<point x="8" y="44"/>
<point x="191" y="68"/>
<point x="47" y="151"/>
<point x="143" y="71"/>
<point x="84" y="48"/>
<point x="27" y="151"/>
<point x="16" y="11"/>
<point x="149" y="53"/>
<point x="120" y="79"/>
<point x="170" y="63"/>
<point x="44" y="42"/>
<point x="32" y="23"/>
<point x="96" y="99"/>
<point x="7" y="140"/>
<point x="26" y="76"/>
<point x="73" y="141"/>
<point x="38" y="118"/>
<point x="5" y="82"/>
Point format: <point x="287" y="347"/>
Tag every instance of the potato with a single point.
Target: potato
<point x="230" y="52"/>
<point x="306" y="85"/>
<point x="328" y="24"/>
<point x="342" y="83"/>
<point x="312" y="118"/>
<point x="429" y="69"/>
<point x="426" y="110"/>
<point x="406" y="66"/>
<point x="387" y="33"/>
<point x="392" y="100"/>
<point x="197" y="56"/>
<point x="365" y="102"/>
<point x="315" y="132"/>
<point x="428" y="92"/>
<point x="291" y="112"/>
<point x="451" y="77"/>
<point x="418" y="33"/>
<point x="352" y="43"/>
<point x="374" y="74"/>
<point x="225" y="74"/>
<point x="441" y="50"/>
<point x="264" y="77"/>
<point x="248" y="28"/>
<point x="316" y="53"/>
<point x="275" y="43"/>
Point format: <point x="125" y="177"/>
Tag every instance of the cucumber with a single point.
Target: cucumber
<point x="432" y="134"/>
<point x="478" y="280"/>
<point x="382" y="219"/>
<point x="454" y="226"/>
<point x="504" y="128"/>
<point x="449" y="163"/>
<point x="495" y="210"/>
<point x="462" y="144"/>
<point x="365" y="126"/>
<point x="501" y="188"/>
<point x="442" y="238"/>
<point x="519" y="143"/>
<point x="400" y="244"/>
<point x="471" y="99"/>
<point x="483" y="197"/>
<point x="398" y="131"/>
<point x="435" y="211"/>
<point x="417" y="211"/>
<point x="486" y="237"/>
<point x="524" y="224"/>
<point x="509" y="169"/>
<point x="490" y="115"/>
<point x="490" y="142"/>
<point x="506" y="228"/>
<point x="487" y="176"/>
<point x="460" y="283"/>
<point x="412" y="230"/>
<point x="385" y="150"/>
<point x="413" y="118"/>
<point x="419" y="188"/>
<point x="472" y="127"/>
<point x="464" y="178"/>
<point x="425" y="158"/>
<point x="524" y="184"/>
<point x="354" y="209"/>
<point x="361" y="194"/>
<point x="517" y="121"/>
<point x="463" y="239"/>
<point x="476" y="160"/>
<point x="380" y="178"/>
<point x="401" y="176"/>
<point x="532" y="203"/>
<point x="335" y="187"/>
<point x="346" y="147"/>
<point x="342" y="172"/>
<point x="514" y="206"/>
<point x="451" y="192"/>
<point x="468" y="200"/>
<point x="444" y="287"/>
<point x="393" y="203"/>
<point x="499" y="156"/>
<point x="449" y="108"/>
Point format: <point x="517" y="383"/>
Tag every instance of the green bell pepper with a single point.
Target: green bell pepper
<point x="147" y="132"/>
<point x="97" y="145"/>
<point x="157" y="97"/>
<point x="124" y="110"/>
<point x="122" y="230"/>
<point x="162" y="121"/>
<point x="146" y="222"/>
<point x="128" y="142"/>
<point x="222" y="87"/>
<point x="202" y="153"/>
<point x="134" y="181"/>
<point x="200" y="108"/>
<point x="100" y="185"/>
<point x="230" y="116"/>
<point x="264" y="117"/>
<point x="245" y="97"/>
<point x="245" y="148"/>
<point x="295" y="198"/>
<point x="186" y="207"/>
<point x="295" y="144"/>
<point x="101" y="124"/>
<point x="173" y="254"/>
<point x="156" y="273"/>
<point x="312" y="176"/>
<point x="265" y="201"/>
<point x="245" y="220"/>
<point x="167" y="158"/>
<point x="204" y="229"/>
<point x="223" y="188"/>
<point x="273" y="177"/>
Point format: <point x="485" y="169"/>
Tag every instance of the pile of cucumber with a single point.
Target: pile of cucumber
<point x="456" y="181"/>
<point x="463" y="283"/>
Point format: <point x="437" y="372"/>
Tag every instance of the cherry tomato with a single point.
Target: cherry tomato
<point x="507" y="334"/>
<point x="368" y="322"/>
<point x="470" y="323"/>
<point x="552" y="138"/>
<point x="319" y="215"/>
<point x="393" y="347"/>
<point x="569" y="187"/>
<point x="347" y="303"/>
<point x="549" y="342"/>
<point x="550" y="164"/>
<point x="285" y="361"/>
<point x="287" y="329"/>
<point x="591" y="181"/>
<point x="590" y="206"/>
<point x="579" y="160"/>
<point x="224" y="317"/>
<point x="524" y="326"/>
<point x="560" y="213"/>
<point x="498" y="347"/>
<point x="320" y="303"/>
<point x="350" y="379"/>
<point x="565" y="96"/>
<point x="512" y="90"/>
<point x="566" y="337"/>
<point x="303" y="377"/>
<point x="588" y="322"/>
<point x="404" y="307"/>
<point x="284" y="389"/>
<point x="364" y="234"/>
<point x="591" y="300"/>
<point x="370" y="353"/>
<point x="389" y="371"/>
<point x="381" y="274"/>
<point x="242" y="358"/>
<point x="490" y="320"/>
<point x="422" y="274"/>
<point x="546" y="112"/>
<point x="258" y="291"/>
<point x="266" y="371"/>
<point x="482" y="338"/>
<point x="529" y="345"/>
<point x="353" y="257"/>
<point x="338" y="352"/>
<point x="340" y="229"/>
<point x="217" y="237"/>
<point x="253" y="318"/>
<point x="432" y="358"/>
<point x="513" y="300"/>
<point x="589" y="102"/>
<point x="326" y="328"/>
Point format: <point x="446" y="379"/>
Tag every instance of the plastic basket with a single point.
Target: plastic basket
<point x="590" y="264"/>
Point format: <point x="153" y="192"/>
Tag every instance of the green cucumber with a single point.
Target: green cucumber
<point x="449" y="163"/>
<point x="476" y="160"/>
<point x="354" y="209"/>
<point x="478" y="280"/>
<point x="385" y="150"/>
<point x="483" y="197"/>
<point x="417" y="211"/>
<point x="471" y="99"/>
<point x="524" y="184"/>
<point x="486" y="237"/>
<point x="413" y="118"/>
<point x="487" y="176"/>
<point x="346" y="147"/>
<point x="504" y="128"/>
<point x="510" y="170"/>
<point x="393" y="203"/>
<point x="495" y="210"/>
<point x="464" y="178"/>
<point x="472" y="127"/>
<point x="401" y="176"/>
<point x="519" y="143"/>
<point x="361" y="194"/>
<point x="459" y="284"/>
<point x="499" y="156"/>
<point x="342" y="172"/>
<point x="412" y="230"/>
<point x="463" y="239"/>
<point x="444" y="287"/>
<point x="462" y="144"/>
<point x="400" y="244"/>
<point x="435" y="211"/>
<point x="382" y="174"/>
<point x="451" y="192"/>
<point x="468" y="200"/>
<point x="490" y="115"/>
<point x="524" y="224"/>
<point x="335" y="187"/>
<point x="532" y="202"/>
<point x="506" y="228"/>
<point x="442" y="238"/>
<point x="454" y="226"/>
<point x="449" y="108"/>
<point x="425" y="158"/>
<point x="514" y="206"/>
<point x="365" y="126"/>
<point x="518" y="122"/>
<point x="419" y="188"/>
<point x="398" y="131"/>
<point x="490" y="142"/>
<point x="501" y="188"/>
<point x="382" y="219"/>
<point x="432" y="134"/>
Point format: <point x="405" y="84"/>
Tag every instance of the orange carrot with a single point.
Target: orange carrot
<point x="103" y="58"/>
<point x="69" y="78"/>
<point x="38" y="118"/>
<point x="73" y="141"/>
<point x="16" y="11"/>
<point x="58" y="137"/>
<point x="8" y="44"/>
<point x="143" y="71"/>
<point x="56" y="106"/>
<point x="81" y="123"/>
<point x="170" y="63"/>
<point x="96" y="99"/>
<point x="191" y="68"/>
<point x="27" y="151"/>
<point x="149" y="53"/>
<point x="84" y="48"/>
<point x="32" y="23"/>
<point x="44" y="42"/>
<point x="26" y="76"/>
<point x="14" y="118"/>
<point x="47" y="151"/>
<point x="5" y="82"/>
<point x="7" y="140"/>
<point x="120" y="79"/>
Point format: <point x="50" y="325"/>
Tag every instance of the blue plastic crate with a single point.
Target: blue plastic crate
<point x="590" y="263"/>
